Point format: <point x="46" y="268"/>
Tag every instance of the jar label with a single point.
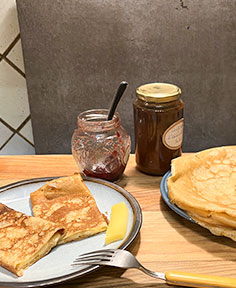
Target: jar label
<point x="173" y="136"/>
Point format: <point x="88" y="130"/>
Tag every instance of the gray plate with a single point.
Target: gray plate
<point x="164" y="194"/>
<point x="56" y="266"/>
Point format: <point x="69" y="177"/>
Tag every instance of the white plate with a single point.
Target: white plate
<point x="56" y="266"/>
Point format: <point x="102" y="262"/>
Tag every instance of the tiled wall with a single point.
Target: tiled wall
<point x="15" y="124"/>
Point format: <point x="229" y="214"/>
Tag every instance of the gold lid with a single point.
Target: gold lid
<point x="158" y="92"/>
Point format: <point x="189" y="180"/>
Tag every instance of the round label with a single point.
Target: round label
<point x="173" y="136"/>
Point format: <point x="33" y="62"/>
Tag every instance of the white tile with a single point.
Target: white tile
<point x="9" y="27"/>
<point x="14" y="102"/>
<point x="27" y="131"/>
<point x="5" y="133"/>
<point x="16" y="56"/>
<point x="17" y="146"/>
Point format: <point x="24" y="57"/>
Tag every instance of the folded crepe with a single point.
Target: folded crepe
<point x="25" y="239"/>
<point x="68" y="202"/>
<point x="204" y="186"/>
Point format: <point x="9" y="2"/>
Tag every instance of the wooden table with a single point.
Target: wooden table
<point x="166" y="241"/>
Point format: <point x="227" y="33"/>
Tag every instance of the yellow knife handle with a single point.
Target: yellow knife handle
<point x="198" y="280"/>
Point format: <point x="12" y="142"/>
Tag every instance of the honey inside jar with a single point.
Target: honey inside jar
<point x="158" y="121"/>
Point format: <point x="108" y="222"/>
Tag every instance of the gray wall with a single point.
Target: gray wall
<point x="77" y="51"/>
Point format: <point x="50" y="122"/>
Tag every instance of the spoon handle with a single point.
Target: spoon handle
<point x="116" y="100"/>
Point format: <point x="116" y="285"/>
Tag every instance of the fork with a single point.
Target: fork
<point x="124" y="259"/>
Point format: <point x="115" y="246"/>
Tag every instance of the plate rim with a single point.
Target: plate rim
<point x="137" y="224"/>
<point x="165" y="196"/>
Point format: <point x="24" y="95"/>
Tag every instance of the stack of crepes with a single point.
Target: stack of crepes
<point x="204" y="186"/>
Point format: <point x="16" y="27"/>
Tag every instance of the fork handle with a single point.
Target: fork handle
<point x="198" y="280"/>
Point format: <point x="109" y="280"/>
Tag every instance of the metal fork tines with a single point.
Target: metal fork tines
<point x="115" y="257"/>
<point x="124" y="259"/>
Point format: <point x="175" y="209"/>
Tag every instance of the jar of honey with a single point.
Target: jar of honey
<point x="101" y="148"/>
<point x="158" y="121"/>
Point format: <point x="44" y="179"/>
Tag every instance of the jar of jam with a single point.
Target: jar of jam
<point x="100" y="148"/>
<point x="158" y="121"/>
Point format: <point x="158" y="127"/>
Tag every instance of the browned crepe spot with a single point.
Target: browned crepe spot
<point x="68" y="201"/>
<point x="24" y="239"/>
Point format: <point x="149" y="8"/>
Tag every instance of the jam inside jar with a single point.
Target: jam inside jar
<point x="100" y="148"/>
<point x="158" y="121"/>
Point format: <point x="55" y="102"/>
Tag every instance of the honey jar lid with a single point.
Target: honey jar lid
<point x="158" y="92"/>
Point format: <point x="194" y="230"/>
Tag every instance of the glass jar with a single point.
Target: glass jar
<point x="158" y="121"/>
<point x="100" y="148"/>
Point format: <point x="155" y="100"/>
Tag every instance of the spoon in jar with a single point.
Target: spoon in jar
<point x="120" y="91"/>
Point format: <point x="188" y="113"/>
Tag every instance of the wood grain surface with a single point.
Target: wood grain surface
<point x="166" y="241"/>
